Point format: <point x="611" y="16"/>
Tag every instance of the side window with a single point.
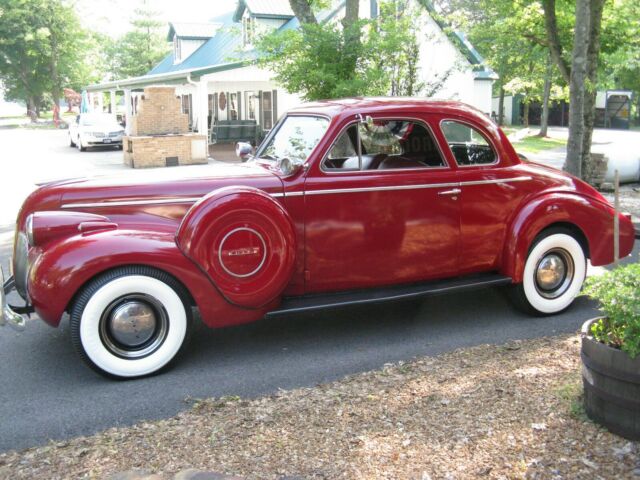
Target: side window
<point x="384" y="145"/>
<point x="468" y="146"/>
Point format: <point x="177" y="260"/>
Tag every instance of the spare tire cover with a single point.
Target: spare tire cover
<point x="244" y="241"/>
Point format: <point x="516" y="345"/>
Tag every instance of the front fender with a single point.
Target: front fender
<point x="593" y="218"/>
<point x="64" y="267"/>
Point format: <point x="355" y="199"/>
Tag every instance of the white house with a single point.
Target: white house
<point x="213" y="68"/>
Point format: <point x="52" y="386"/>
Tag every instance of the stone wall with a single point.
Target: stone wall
<point x="597" y="170"/>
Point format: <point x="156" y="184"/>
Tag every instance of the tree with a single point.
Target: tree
<point x="142" y="48"/>
<point x="578" y="76"/>
<point x="355" y="57"/>
<point x="511" y="36"/>
<point x="582" y="91"/>
<point x="42" y="50"/>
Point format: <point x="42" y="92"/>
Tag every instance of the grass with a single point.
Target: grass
<point x="535" y="144"/>
<point x="571" y="394"/>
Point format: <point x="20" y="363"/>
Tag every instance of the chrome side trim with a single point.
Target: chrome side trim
<point x="164" y="201"/>
<point x="126" y="203"/>
<point x="409" y="187"/>
<point x="381" y="189"/>
<point x="489" y="182"/>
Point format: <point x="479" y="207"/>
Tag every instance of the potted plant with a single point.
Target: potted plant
<point x="611" y="352"/>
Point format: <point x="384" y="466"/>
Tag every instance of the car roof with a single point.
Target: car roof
<point x="368" y="105"/>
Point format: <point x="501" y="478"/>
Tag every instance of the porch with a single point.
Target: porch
<point x="226" y="106"/>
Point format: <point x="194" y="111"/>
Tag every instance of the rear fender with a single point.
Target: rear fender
<point x="593" y="218"/>
<point x="59" y="272"/>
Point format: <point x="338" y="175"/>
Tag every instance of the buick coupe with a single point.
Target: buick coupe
<point x="345" y="202"/>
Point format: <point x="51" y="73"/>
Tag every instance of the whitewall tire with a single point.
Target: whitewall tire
<point x="130" y="322"/>
<point x="553" y="275"/>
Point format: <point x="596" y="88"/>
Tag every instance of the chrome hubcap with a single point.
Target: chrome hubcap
<point x="134" y="326"/>
<point x="132" y="323"/>
<point x="554" y="273"/>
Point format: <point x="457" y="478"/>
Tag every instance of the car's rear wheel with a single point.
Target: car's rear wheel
<point x="553" y="275"/>
<point x="130" y="322"/>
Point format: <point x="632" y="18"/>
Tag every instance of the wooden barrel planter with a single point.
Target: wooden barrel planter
<point x="611" y="381"/>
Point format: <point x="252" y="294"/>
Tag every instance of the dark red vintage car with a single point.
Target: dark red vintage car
<point x="345" y="202"/>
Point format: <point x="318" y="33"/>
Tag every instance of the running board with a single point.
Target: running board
<point x="310" y="303"/>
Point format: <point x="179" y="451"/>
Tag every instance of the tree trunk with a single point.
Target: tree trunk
<point x="546" y="94"/>
<point x="351" y="34"/>
<point x="573" y="163"/>
<point x="31" y="109"/>
<point x="302" y="10"/>
<point x="592" y="76"/>
<point x="525" y="119"/>
<point x="501" y="106"/>
<point x="553" y="38"/>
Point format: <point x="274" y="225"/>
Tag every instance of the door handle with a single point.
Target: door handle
<point x="454" y="191"/>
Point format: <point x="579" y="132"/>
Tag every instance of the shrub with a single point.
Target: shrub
<point x="618" y="292"/>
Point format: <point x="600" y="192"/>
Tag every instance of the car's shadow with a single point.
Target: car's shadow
<point x="50" y="393"/>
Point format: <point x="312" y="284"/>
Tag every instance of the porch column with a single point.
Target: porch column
<point x="112" y="101"/>
<point x="128" y="111"/>
<point x="101" y="101"/>
<point x="201" y="108"/>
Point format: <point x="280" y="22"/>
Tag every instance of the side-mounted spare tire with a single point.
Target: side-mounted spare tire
<point x="245" y="242"/>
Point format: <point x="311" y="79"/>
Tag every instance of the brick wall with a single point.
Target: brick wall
<point x="159" y="113"/>
<point x="160" y="133"/>
<point x="144" y="152"/>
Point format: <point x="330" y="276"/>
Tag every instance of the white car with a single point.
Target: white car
<point x="95" y="130"/>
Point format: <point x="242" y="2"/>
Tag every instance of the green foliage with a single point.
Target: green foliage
<point x="42" y="50"/>
<point x="141" y="48"/>
<point x="571" y="393"/>
<point x="373" y="57"/>
<point x="511" y="36"/>
<point x="618" y="292"/>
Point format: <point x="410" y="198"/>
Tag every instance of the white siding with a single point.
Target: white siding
<point x="482" y="93"/>
<point x="187" y="47"/>
<point x="507" y="108"/>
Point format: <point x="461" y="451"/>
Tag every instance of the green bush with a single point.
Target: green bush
<point x="618" y="292"/>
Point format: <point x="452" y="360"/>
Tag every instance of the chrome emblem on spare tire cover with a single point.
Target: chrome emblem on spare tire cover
<point x="242" y="252"/>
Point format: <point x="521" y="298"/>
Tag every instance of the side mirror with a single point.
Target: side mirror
<point x="289" y="166"/>
<point x="244" y="150"/>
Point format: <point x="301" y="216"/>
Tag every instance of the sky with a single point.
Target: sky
<point x="112" y="16"/>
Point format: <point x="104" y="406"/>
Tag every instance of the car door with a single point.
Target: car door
<point x="381" y="208"/>
<point x="491" y="191"/>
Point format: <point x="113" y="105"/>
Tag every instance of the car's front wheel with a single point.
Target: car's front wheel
<point x="130" y="322"/>
<point x="71" y="142"/>
<point x="553" y="275"/>
<point x="79" y="145"/>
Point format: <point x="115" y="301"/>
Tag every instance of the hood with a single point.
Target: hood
<point x="163" y="185"/>
<point x="141" y="196"/>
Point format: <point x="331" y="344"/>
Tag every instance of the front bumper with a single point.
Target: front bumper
<point x="7" y="315"/>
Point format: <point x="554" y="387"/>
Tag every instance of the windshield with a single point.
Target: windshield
<point x="295" y="138"/>
<point x="98" y="119"/>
